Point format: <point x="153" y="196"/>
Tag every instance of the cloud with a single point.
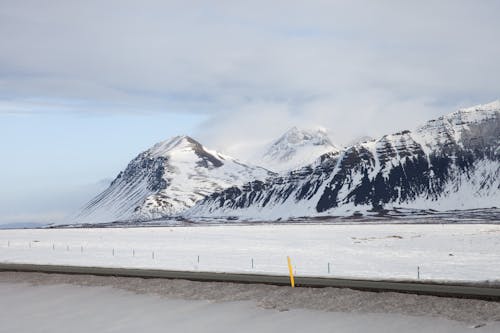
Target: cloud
<point x="356" y="67"/>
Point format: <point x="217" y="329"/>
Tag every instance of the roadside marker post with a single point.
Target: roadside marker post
<point x="290" y="270"/>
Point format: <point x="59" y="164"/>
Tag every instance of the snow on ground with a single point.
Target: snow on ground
<point x="57" y="303"/>
<point x="443" y="252"/>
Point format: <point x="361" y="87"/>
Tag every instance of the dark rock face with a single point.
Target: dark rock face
<point x="435" y="161"/>
<point x="141" y="170"/>
<point x="143" y="166"/>
<point x="207" y="160"/>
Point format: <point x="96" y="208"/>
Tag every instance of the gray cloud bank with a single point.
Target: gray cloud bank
<point x="256" y="68"/>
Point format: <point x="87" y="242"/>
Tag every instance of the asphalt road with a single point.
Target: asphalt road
<point x="462" y="290"/>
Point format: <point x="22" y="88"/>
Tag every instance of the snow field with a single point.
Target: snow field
<point x="440" y="252"/>
<point x="44" y="308"/>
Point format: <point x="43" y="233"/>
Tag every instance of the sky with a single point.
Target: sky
<point x="87" y="85"/>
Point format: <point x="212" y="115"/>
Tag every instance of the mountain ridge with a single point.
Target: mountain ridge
<point x="450" y="162"/>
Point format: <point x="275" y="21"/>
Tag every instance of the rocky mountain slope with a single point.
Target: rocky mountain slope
<point x="296" y="148"/>
<point x="452" y="162"/>
<point x="166" y="180"/>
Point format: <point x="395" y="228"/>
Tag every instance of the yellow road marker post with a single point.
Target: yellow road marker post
<point x="290" y="269"/>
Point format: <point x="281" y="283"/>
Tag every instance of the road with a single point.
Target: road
<point x="462" y="290"/>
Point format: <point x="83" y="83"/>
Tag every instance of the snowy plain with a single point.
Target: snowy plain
<point x="443" y="252"/>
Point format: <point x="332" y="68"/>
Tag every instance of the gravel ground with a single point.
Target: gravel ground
<point x="470" y="312"/>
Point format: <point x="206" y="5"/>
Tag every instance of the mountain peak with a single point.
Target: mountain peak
<point x="167" y="179"/>
<point x="178" y="142"/>
<point x="296" y="148"/>
<point x="296" y="136"/>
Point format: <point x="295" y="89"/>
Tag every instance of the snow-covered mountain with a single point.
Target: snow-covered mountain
<point x="166" y="180"/>
<point x="296" y="148"/>
<point x="452" y="162"/>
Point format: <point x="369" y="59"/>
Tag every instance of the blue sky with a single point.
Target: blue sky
<point x="85" y="86"/>
<point x="54" y="162"/>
